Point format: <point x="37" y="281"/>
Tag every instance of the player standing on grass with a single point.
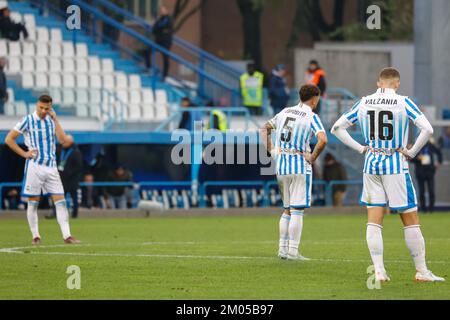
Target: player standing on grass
<point x="384" y="118"/>
<point x="40" y="131"/>
<point x="294" y="128"/>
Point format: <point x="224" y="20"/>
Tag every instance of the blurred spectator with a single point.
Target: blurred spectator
<point x="252" y="89"/>
<point x="278" y="89"/>
<point x="9" y="29"/>
<point x="315" y="75"/>
<point x="218" y="120"/>
<point x="100" y="172"/>
<point x="12" y="199"/>
<point x="444" y="141"/>
<point x="117" y="195"/>
<point x="89" y="194"/>
<point x="70" y="167"/>
<point x="333" y="170"/>
<point x="163" y="32"/>
<point x="188" y="117"/>
<point x="426" y="165"/>
<point x="3" y="85"/>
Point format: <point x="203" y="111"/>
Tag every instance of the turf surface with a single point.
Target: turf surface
<point x="216" y="258"/>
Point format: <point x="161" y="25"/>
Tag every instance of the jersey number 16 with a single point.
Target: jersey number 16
<point x="385" y="129"/>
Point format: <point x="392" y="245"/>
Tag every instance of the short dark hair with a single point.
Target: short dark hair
<point x="308" y="91"/>
<point x="314" y="62"/>
<point x="45" y="98"/>
<point x="389" y="74"/>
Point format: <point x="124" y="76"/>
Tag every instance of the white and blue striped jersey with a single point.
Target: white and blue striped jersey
<point x="39" y="134"/>
<point x="294" y="128"/>
<point x="384" y="120"/>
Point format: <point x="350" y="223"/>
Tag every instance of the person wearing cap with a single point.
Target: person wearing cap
<point x="315" y="75"/>
<point x="278" y="89"/>
<point x="8" y="28"/>
<point x="252" y="93"/>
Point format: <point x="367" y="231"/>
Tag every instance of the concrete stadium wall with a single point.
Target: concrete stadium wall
<point x="432" y="47"/>
<point x="355" y="66"/>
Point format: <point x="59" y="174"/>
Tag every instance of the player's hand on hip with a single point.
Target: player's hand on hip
<point x="405" y="153"/>
<point x="31" y="154"/>
<point x="274" y="152"/>
<point x="308" y="157"/>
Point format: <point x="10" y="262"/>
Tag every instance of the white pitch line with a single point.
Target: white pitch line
<point x="18" y="250"/>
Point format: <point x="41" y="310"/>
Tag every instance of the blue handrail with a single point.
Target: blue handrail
<point x="227" y="110"/>
<point x="179" y="41"/>
<point x="234" y="91"/>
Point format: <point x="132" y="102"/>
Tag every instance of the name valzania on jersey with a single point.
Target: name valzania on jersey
<point x="384" y="120"/>
<point x="294" y="128"/>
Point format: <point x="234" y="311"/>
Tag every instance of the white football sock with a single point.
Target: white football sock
<point x="32" y="217"/>
<point x="295" y="231"/>
<point x="416" y="245"/>
<point x="284" y="233"/>
<point x="375" y="243"/>
<point x="62" y="215"/>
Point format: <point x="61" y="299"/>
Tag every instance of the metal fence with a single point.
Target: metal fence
<point x="266" y="190"/>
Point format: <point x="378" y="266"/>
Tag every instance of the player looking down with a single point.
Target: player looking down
<point x="384" y="120"/>
<point x="40" y="130"/>
<point x="294" y="128"/>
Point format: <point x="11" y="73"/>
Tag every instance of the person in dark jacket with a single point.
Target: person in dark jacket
<point x="163" y="33"/>
<point x="70" y="167"/>
<point x="278" y="89"/>
<point x="333" y="170"/>
<point x="3" y="85"/>
<point x="426" y="163"/>
<point x="187" y="117"/>
<point x="117" y="195"/>
<point x="9" y="29"/>
<point x="89" y="194"/>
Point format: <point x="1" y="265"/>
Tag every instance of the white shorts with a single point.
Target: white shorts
<point x="39" y="179"/>
<point x="395" y="189"/>
<point x="295" y="190"/>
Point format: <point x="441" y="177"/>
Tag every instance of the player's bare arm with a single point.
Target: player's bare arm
<point x="10" y="141"/>
<point x="60" y="134"/>
<point x="320" y="146"/>
<point x="266" y="132"/>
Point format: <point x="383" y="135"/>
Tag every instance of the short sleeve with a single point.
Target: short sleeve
<point x="352" y="114"/>
<point x="23" y="125"/>
<point x="316" y="125"/>
<point x="273" y="121"/>
<point x="412" y="110"/>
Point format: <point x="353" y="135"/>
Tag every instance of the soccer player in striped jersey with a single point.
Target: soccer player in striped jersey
<point x="40" y="130"/>
<point x="384" y="120"/>
<point x="294" y="128"/>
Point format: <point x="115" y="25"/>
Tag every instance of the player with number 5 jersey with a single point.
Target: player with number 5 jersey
<point x="294" y="128"/>
<point x="384" y="118"/>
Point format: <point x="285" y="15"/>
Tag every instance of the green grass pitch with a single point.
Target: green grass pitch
<point x="216" y="258"/>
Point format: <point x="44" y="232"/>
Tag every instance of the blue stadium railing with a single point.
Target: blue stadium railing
<point x="216" y="79"/>
<point x="203" y="187"/>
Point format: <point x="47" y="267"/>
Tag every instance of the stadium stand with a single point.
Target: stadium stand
<point x="84" y="79"/>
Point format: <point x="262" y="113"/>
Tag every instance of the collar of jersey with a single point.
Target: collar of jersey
<point x="36" y="117"/>
<point x="304" y="105"/>
<point x="385" y="90"/>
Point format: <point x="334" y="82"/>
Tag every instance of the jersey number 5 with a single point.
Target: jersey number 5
<point x="382" y="126"/>
<point x="287" y="127"/>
